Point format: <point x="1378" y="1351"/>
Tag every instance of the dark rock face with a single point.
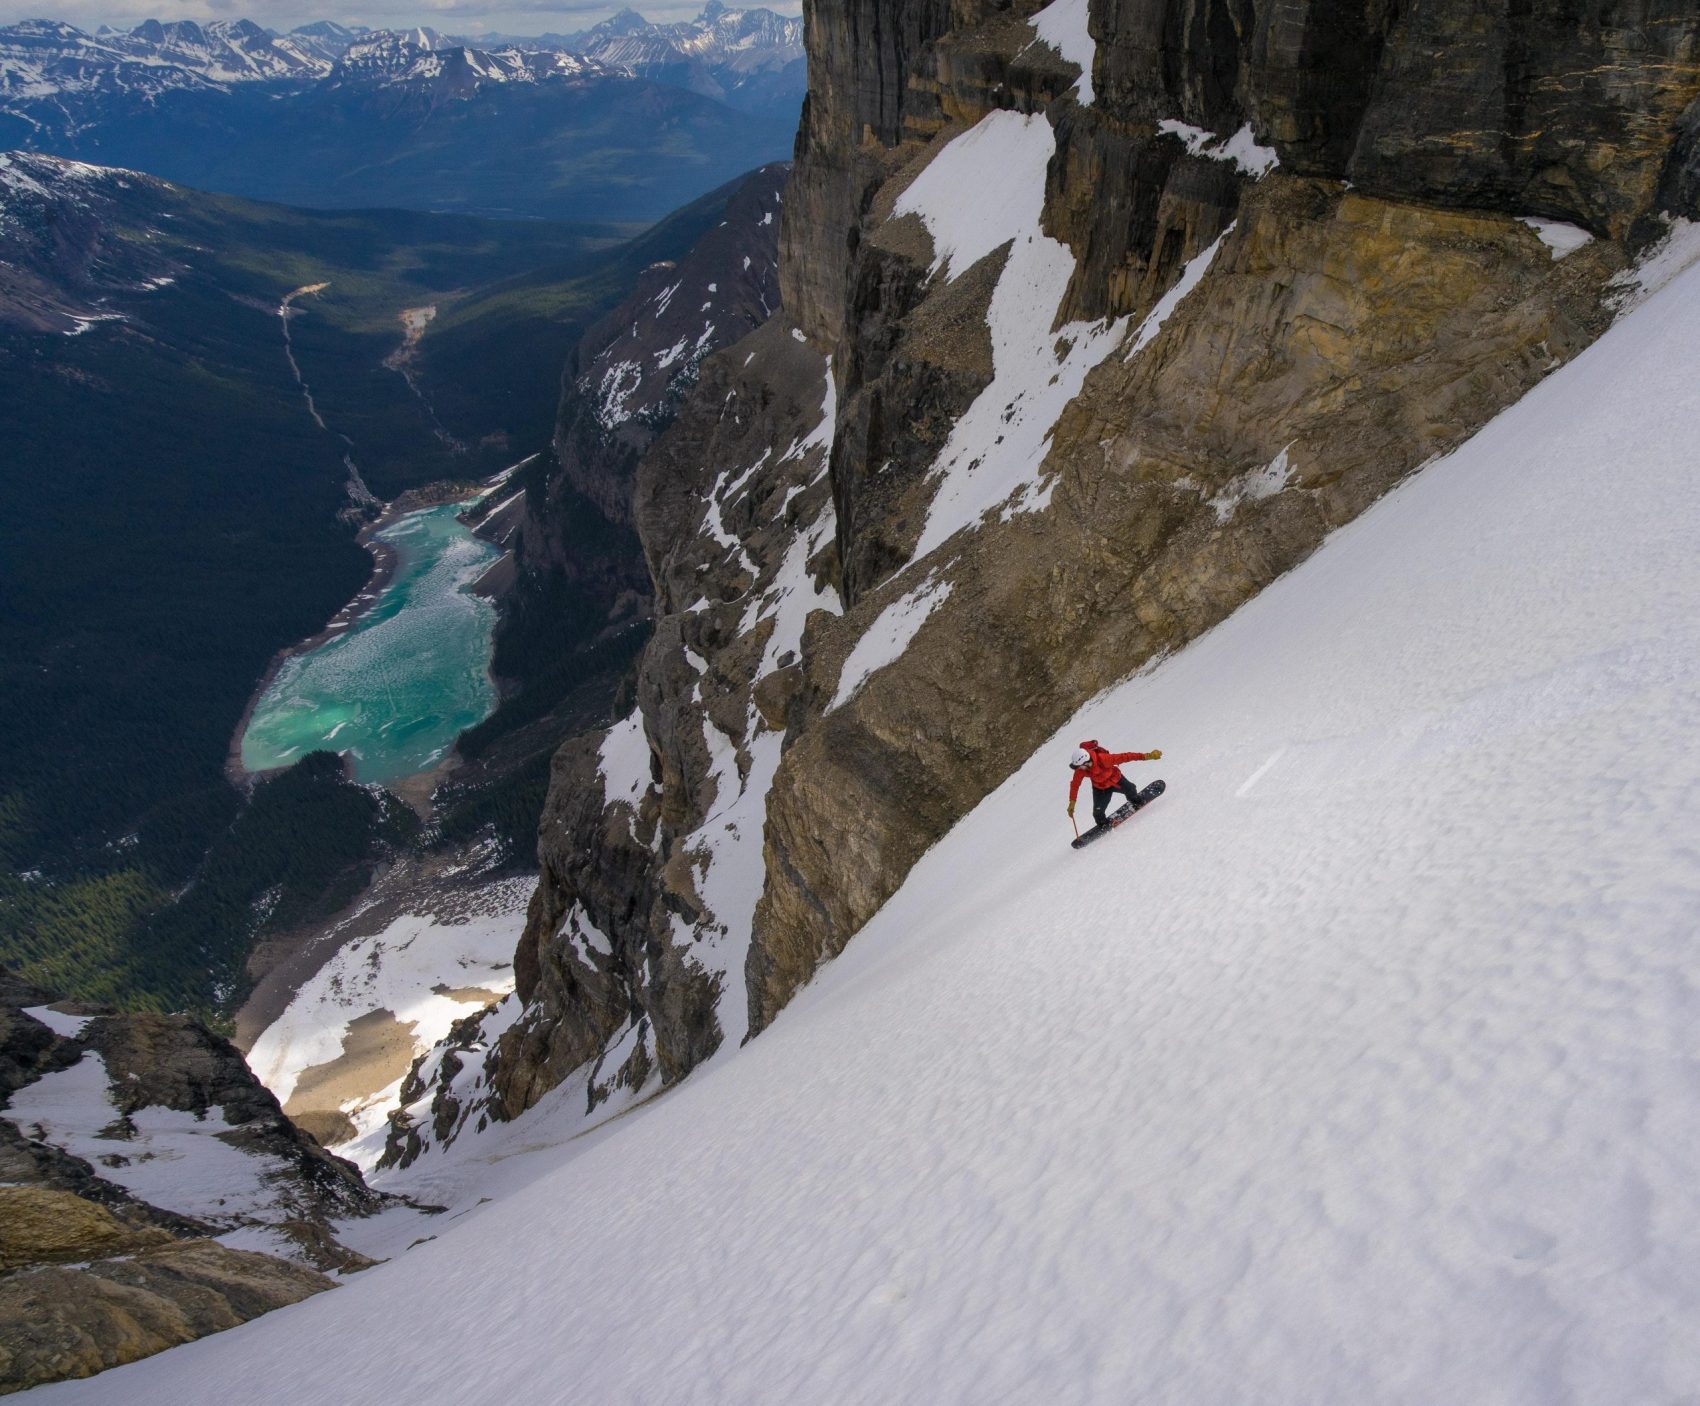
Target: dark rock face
<point x="1176" y="202"/>
<point x="579" y="575"/>
<point x="625" y="869"/>
<point x="1679" y="186"/>
<point x="917" y="366"/>
<point x="1542" y="108"/>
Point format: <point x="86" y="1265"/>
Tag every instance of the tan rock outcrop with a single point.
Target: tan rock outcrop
<point x="61" y="1322"/>
<point x="91" y="1275"/>
<point x="39" y="1225"/>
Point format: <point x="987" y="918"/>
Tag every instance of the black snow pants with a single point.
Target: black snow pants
<point x="1101" y="798"/>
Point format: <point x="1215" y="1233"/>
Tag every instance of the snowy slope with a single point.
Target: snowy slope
<point x="1362" y="1068"/>
<point x="422" y="971"/>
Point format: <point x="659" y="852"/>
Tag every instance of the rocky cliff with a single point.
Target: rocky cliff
<point x="1096" y="320"/>
<point x="575" y="595"/>
<point x="628" y="377"/>
<point x="151" y="1191"/>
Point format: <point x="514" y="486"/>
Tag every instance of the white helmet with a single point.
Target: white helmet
<point x="1080" y="760"/>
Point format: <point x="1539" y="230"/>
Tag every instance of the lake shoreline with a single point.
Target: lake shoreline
<point x="385" y="561"/>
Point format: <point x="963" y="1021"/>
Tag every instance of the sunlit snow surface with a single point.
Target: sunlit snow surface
<point x="424" y="971"/>
<point x="1361" y="1068"/>
<point x="624" y="761"/>
<point x="397" y="689"/>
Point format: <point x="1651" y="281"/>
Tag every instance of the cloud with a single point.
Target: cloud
<point x="505" y="16"/>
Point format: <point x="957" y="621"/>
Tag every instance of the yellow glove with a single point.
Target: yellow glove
<point x="1154" y="756"/>
<point x="1071" y="810"/>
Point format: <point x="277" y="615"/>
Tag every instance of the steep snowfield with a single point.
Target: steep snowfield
<point x="1364" y="1067"/>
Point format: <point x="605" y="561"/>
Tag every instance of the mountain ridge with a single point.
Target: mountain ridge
<point x="1117" y="343"/>
<point x="42" y="60"/>
<point x="410" y="119"/>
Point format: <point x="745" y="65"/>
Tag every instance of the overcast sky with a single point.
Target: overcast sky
<point x="451" y="16"/>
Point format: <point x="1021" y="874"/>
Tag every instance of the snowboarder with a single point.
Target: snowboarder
<point x="1090" y="761"/>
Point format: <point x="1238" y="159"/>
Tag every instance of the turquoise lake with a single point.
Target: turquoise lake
<point x="395" y="689"/>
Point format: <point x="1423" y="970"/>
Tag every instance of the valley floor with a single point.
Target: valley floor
<point x="1364" y="1067"/>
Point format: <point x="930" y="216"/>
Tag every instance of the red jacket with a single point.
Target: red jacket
<point x="1104" y="771"/>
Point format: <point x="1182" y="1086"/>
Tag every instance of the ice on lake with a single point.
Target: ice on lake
<point x="394" y="690"/>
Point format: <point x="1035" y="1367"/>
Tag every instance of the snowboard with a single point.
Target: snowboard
<point x="1115" y="818"/>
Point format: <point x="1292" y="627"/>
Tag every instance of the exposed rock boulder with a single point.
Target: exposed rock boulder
<point x="39" y="1225"/>
<point x="59" y="1322"/>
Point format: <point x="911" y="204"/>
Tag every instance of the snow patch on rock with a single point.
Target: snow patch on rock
<point x="1250" y="487"/>
<point x="624" y="761"/>
<point x="1559" y="237"/>
<point x="728" y="846"/>
<point x="170" y="1158"/>
<point x="1062" y="25"/>
<point x="1242" y="149"/>
<point x="983" y="190"/>
<point x="885" y="641"/>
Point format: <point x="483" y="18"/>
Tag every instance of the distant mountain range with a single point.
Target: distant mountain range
<point x="750" y="59"/>
<point x="746" y="58"/>
<point x="622" y="122"/>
